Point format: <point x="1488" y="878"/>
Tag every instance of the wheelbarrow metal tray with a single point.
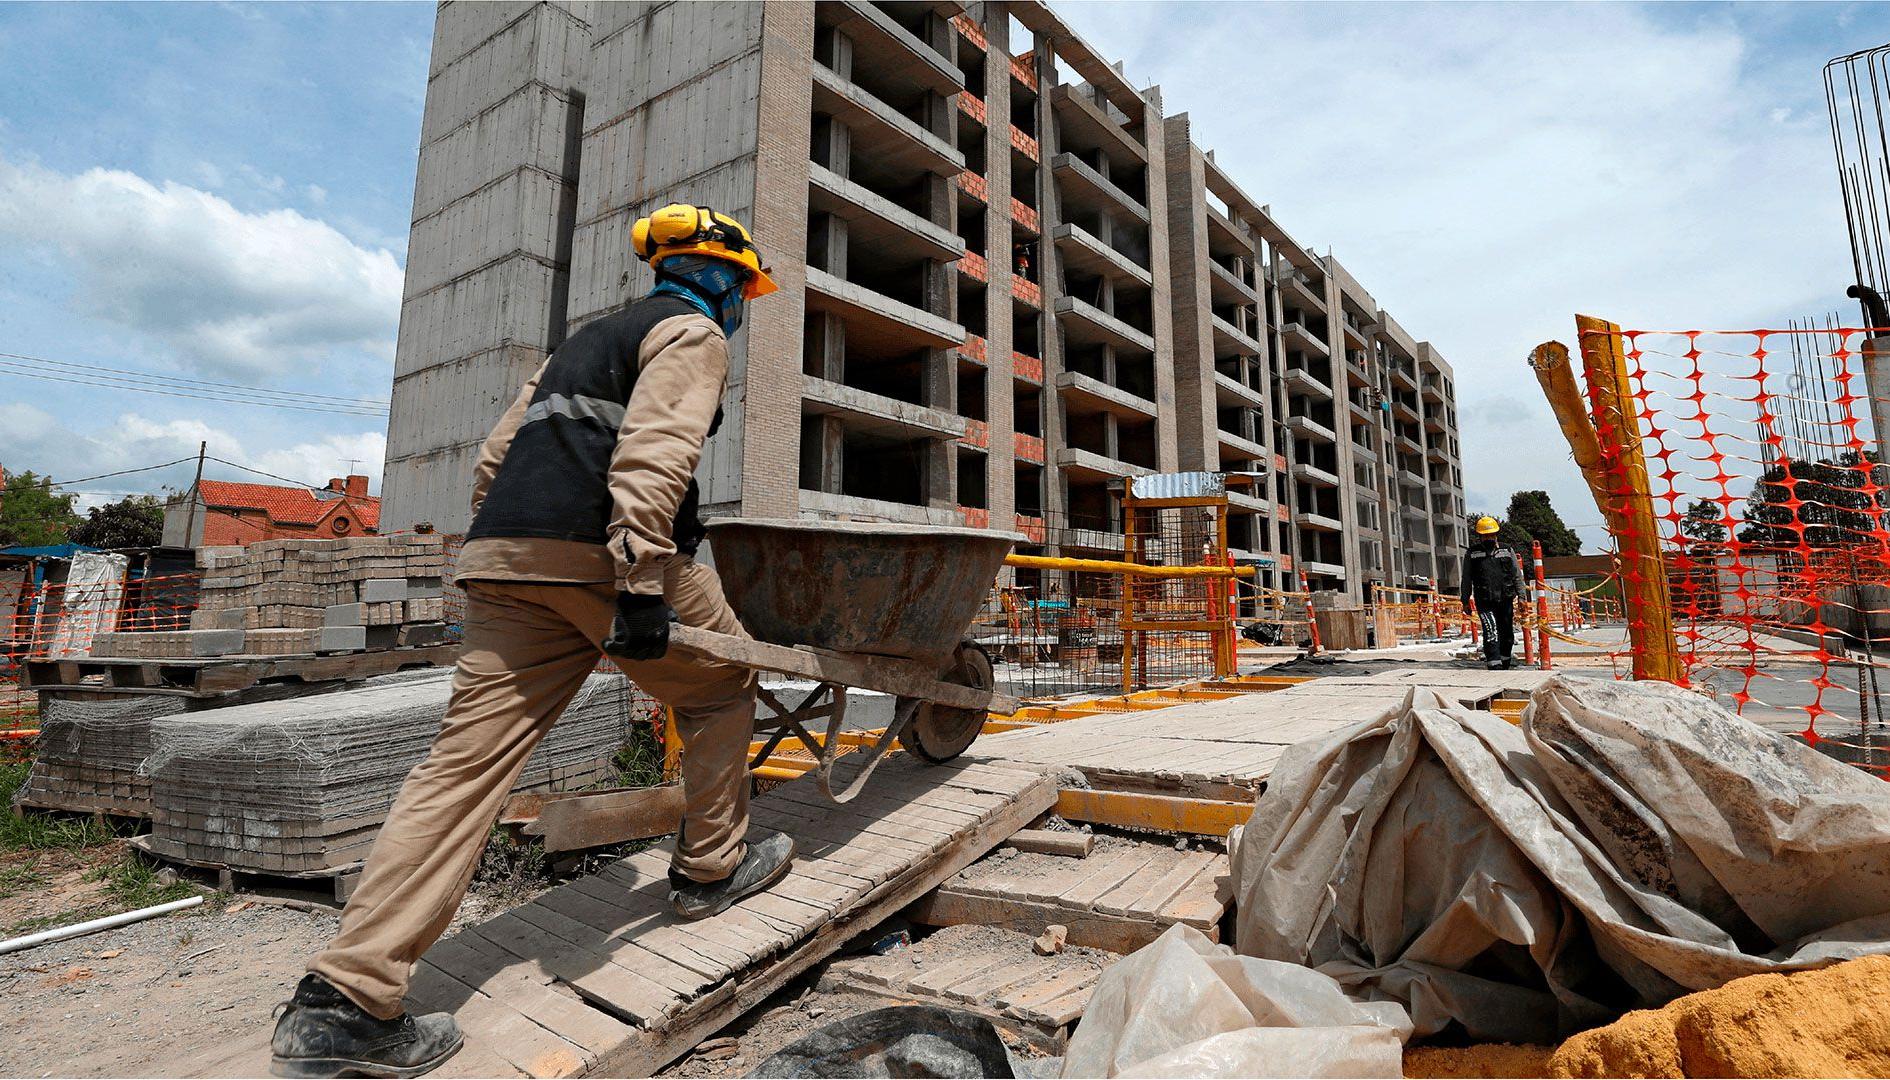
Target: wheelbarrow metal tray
<point x="857" y="587"/>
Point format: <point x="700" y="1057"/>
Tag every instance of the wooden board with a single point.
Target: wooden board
<point x="1120" y="898"/>
<point x="210" y="677"/>
<point x="646" y="985"/>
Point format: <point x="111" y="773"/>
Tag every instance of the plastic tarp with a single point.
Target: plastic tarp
<point x="1628" y="843"/>
<point x="1184" y="1006"/>
<point x="94" y="590"/>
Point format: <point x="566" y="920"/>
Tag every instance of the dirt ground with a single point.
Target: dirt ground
<point x="156" y="997"/>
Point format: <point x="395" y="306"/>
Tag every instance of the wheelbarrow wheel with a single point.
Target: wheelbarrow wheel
<point x="939" y="733"/>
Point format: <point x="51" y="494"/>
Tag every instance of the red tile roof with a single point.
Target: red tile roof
<point x="273" y="506"/>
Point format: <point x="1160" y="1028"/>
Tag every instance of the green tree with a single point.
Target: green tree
<point x="1532" y="513"/>
<point x="31" y="515"/>
<point x="1824" y="504"/>
<point x="134" y="521"/>
<point x="1702" y="522"/>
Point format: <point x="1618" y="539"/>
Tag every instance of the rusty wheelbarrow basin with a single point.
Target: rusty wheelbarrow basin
<point x="860" y="587"/>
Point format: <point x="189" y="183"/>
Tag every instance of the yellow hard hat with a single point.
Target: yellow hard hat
<point x="1487" y="526"/>
<point x="681" y="229"/>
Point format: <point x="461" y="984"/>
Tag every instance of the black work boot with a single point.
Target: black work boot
<point x="319" y="1032"/>
<point x="767" y="862"/>
<point x="1496" y="665"/>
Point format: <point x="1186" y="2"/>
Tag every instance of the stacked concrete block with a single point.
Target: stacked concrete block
<point x="169" y="644"/>
<point x="305" y="785"/>
<point x="300" y="596"/>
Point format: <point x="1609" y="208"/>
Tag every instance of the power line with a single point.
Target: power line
<point x="167" y="378"/>
<point x="121" y="472"/>
<point x="270" y="475"/>
<point x="8" y="367"/>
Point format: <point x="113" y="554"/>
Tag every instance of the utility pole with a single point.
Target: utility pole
<point x="190" y="523"/>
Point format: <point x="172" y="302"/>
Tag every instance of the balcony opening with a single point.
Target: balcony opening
<point x="889" y="272"/>
<point x="1026" y="333"/>
<point x="971" y="393"/>
<point x="972" y="143"/>
<point x="971" y="62"/>
<point x="1136" y="444"/>
<point x="1136" y="375"/>
<point x="1088" y="288"/>
<point x="1027" y="411"/>
<point x="971" y="226"/>
<point x="1087" y="360"/>
<point x="1136" y="310"/>
<point x="1092" y="507"/>
<point x="1243" y="532"/>
<point x="971" y="466"/>
<point x="902" y="378"/>
<point x="1024" y="186"/>
<point x="1089" y="432"/>
<point x="1024" y="112"/>
<point x="1025" y="262"/>
<point x="971" y="307"/>
<point x="1028" y="489"/>
<point x="883" y="469"/>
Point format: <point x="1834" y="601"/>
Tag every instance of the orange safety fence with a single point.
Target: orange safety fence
<point x="1752" y="459"/>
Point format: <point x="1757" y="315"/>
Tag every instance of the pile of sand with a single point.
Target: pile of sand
<point x="1831" y="1022"/>
<point x="1482" y="1061"/>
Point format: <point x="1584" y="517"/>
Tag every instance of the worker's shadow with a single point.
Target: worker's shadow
<point x="582" y="927"/>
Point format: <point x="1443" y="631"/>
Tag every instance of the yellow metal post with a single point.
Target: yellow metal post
<point x="672" y="746"/>
<point x="1550" y="361"/>
<point x="1629" y="504"/>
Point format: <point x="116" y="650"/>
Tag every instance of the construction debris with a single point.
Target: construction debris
<point x="1051" y="941"/>
<point x="303" y="785"/>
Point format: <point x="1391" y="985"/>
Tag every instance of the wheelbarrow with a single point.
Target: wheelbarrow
<point x="859" y="605"/>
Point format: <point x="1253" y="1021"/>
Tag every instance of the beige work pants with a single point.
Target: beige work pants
<point x="527" y="651"/>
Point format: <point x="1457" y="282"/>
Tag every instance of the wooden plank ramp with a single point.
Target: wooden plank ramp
<point x="1119" y="898"/>
<point x="599" y="976"/>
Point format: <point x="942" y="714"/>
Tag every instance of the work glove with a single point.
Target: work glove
<point x="641" y="629"/>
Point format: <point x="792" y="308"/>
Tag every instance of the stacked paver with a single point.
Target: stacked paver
<point x="287" y="597"/>
<point x="303" y="786"/>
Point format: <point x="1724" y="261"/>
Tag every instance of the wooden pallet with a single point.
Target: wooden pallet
<point x="1120" y="898"/>
<point x="206" y="678"/>
<point x="333" y="885"/>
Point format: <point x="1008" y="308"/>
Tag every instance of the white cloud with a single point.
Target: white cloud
<point x="31" y="438"/>
<point x="1489" y="171"/>
<point x="230" y="292"/>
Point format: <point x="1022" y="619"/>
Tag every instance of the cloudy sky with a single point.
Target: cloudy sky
<point x="221" y="192"/>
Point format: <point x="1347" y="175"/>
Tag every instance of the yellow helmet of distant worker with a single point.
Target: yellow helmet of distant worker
<point x="1488" y="526"/>
<point x="681" y="229"/>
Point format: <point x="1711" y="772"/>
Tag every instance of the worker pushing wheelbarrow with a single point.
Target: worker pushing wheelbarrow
<point x="583" y="537"/>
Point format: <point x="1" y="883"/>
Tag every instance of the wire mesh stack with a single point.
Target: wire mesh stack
<point x="304" y="786"/>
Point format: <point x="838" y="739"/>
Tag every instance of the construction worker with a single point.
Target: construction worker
<point x="583" y="531"/>
<point x="1492" y="580"/>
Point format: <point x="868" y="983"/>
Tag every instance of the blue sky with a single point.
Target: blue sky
<point x="222" y="191"/>
<point x="218" y="191"/>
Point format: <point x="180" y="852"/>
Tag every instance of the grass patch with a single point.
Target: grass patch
<point x="43" y="832"/>
<point x="639" y="762"/>
<point x="131" y="882"/>
<point x="512" y="868"/>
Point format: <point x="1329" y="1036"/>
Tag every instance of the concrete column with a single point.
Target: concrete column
<point x="827" y="243"/>
<point x="833" y="145"/>
<point x="1000" y="390"/>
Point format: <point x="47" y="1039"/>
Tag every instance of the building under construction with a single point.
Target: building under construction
<point x="1009" y="281"/>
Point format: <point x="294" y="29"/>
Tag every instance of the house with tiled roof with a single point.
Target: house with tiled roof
<point x="216" y="513"/>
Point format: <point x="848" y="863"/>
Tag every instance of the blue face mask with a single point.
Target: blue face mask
<point x="714" y="286"/>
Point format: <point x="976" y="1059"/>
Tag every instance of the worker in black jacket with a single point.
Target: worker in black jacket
<point x="1492" y="580"/>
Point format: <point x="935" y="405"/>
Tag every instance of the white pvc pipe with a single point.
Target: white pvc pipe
<point x="78" y="929"/>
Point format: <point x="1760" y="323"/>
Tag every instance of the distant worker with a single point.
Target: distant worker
<point x="1492" y="581"/>
<point x="583" y="534"/>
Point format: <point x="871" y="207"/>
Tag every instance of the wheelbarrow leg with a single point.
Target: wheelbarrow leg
<point x="788" y="721"/>
<point x="902" y="716"/>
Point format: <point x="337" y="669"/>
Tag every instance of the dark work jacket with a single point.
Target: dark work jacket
<point x="1490" y="575"/>
<point x="555" y="480"/>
